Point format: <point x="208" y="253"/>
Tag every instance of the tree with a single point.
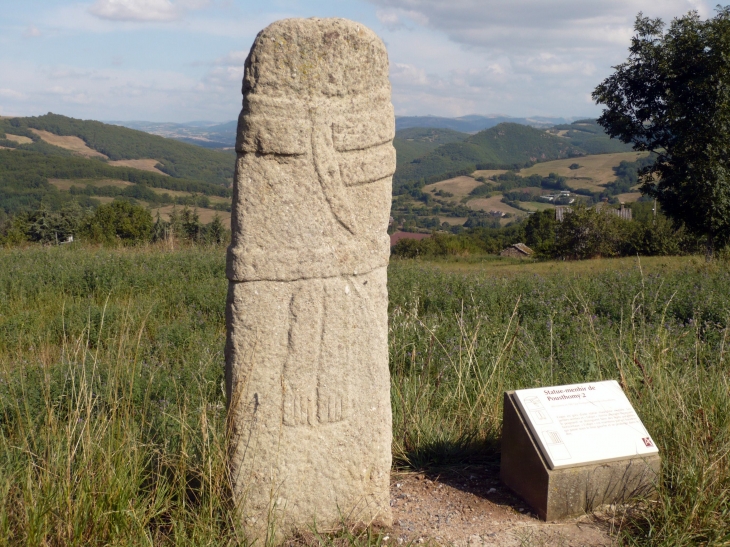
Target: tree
<point x="216" y="232"/>
<point x="672" y="97"/>
<point x="540" y="232"/>
<point x="120" y="221"/>
<point x="590" y="233"/>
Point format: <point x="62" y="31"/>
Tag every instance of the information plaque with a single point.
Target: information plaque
<point x="584" y="423"/>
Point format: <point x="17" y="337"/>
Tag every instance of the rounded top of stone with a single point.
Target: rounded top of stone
<point x="316" y="57"/>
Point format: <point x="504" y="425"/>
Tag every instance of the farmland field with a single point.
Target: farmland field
<point x="537" y="205"/>
<point x="66" y="184"/>
<point x="493" y="204"/>
<point x="206" y="215"/>
<point x="594" y="170"/>
<point x="629" y="197"/>
<point x="18" y="138"/>
<point x="486" y="173"/>
<point x="144" y="164"/>
<point x="74" y="144"/>
<point x="459" y="186"/>
<point x="454" y="221"/>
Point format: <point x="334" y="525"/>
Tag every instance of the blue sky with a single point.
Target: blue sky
<point x="182" y="60"/>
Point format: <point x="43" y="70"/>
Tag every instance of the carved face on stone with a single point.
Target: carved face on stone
<point x="315" y="151"/>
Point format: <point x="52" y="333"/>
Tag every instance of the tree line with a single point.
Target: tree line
<point x="583" y="233"/>
<point x="116" y="223"/>
<point x="24" y="179"/>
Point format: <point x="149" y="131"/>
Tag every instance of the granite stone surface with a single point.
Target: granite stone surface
<point x="307" y="347"/>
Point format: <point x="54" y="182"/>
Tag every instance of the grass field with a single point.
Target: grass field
<point x="595" y="170"/>
<point x="18" y="138"/>
<point x="537" y="205"/>
<point x="459" y="186"/>
<point x="66" y="184"/>
<point x="145" y="165"/>
<point x="493" y="204"/>
<point x="112" y="412"/>
<point x="74" y="144"/>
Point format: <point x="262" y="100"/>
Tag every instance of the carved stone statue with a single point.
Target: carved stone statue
<point x="307" y="350"/>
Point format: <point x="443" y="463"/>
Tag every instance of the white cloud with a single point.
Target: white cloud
<point x="136" y="10"/>
<point x="409" y="74"/>
<point x="522" y="57"/>
<point x="389" y="19"/>
<point x="10" y="93"/>
<point x="395" y="19"/>
<point x="121" y="93"/>
<point x="31" y="32"/>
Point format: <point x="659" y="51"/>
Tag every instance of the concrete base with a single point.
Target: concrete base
<point x="560" y="493"/>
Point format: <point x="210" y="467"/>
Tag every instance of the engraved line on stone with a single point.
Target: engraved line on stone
<point x="331" y="382"/>
<point x="306" y="277"/>
<point x="299" y="376"/>
<point x="328" y="171"/>
<point x="380" y="142"/>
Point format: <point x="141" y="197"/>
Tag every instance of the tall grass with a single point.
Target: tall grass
<point x="112" y="409"/>
<point x="111" y="403"/>
<point x="458" y="341"/>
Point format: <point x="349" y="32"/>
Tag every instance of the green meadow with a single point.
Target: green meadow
<point x="112" y="404"/>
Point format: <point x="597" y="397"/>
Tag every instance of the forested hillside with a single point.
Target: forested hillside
<point x="505" y="146"/>
<point x="24" y="181"/>
<point x="415" y="142"/>
<point x="590" y="137"/>
<point x="174" y="158"/>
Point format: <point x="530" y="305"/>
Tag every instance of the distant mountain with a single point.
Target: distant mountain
<point x="201" y="133"/>
<point x="415" y="142"/>
<point x="223" y="135"/>
<point x="474" y="123"/>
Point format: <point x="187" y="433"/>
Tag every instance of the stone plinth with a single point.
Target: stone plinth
<point x="560" y="493"/>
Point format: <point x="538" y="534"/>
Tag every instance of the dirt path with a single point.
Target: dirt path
<point x="469" y="507"/>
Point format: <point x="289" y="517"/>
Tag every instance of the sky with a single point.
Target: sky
<point x="182" y="60"/>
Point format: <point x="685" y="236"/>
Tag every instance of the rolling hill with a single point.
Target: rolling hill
<point x="472" y="123"/>
<point x="507" y="144"/>
<point x="116" y="143"/>
<point x="415" y="142"/>
<point x="590" y="137"/>
<point x="504" y="146"/>
<point x="52" y="160"/>
<point x="205" y="134"/>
